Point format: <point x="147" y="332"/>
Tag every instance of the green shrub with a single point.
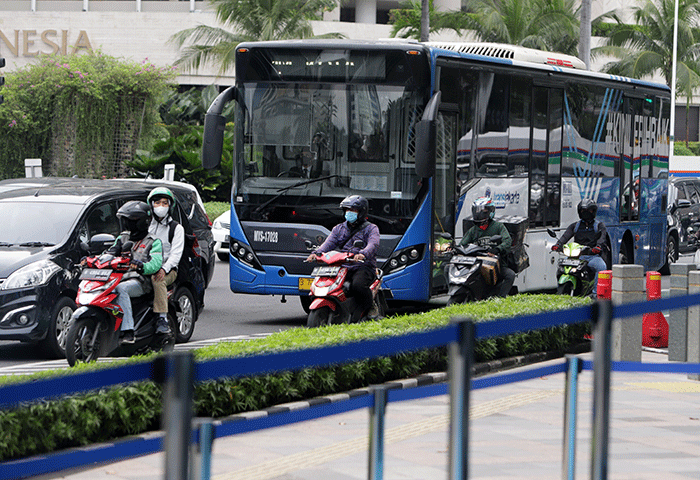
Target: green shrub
<point x="136" y="408"/>
<point x="679" y="148"/>
<point x="214" y="209"/>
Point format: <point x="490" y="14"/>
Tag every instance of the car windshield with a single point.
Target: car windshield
<point x="36" y="223"/>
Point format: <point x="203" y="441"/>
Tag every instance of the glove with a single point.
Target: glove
<point x="596" y="250"/>
<point x="138" y="264"/>
<point x="556" y="247"/>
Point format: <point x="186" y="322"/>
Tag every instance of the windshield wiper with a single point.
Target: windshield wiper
<point x="36" y="244"/>
<point x="5" y="244"/>
<point x="281" y="191"/>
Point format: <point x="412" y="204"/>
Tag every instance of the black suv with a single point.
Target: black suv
<point x="46" y="226"/>
<point x="683" y="216"/>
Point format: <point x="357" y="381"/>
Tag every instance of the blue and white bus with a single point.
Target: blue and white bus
<point x="421" y="130"/>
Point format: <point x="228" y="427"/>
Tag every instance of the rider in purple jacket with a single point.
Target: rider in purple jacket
<point x="343" y="236"/>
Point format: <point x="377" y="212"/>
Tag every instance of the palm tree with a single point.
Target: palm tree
<point x="645" y="48"/>
<point x="248" y="20"/>
<point x="542" y="24"/>
<point x="407" y="22"/>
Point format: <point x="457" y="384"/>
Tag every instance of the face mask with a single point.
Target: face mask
<point x="484" y="226"/>
<point x="160" y="211"/>
<point x="350" y="216"/>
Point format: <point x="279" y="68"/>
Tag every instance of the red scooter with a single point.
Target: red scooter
<point x="331" y="302"/>
<point x="94" y="328"/>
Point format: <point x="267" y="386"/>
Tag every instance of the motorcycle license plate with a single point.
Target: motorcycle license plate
<point x="325" y="271"/>
<point x="100" y="274"/>
<point x="570" y="263"/>
<point x="305" y="283"/>
<point x="464" y="260"/>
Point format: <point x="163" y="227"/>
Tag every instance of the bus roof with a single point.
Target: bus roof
<point x="503" y="54"/>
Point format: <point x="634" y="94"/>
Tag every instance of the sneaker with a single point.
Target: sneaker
<point x="162" y="326"/>
<point x="128" y="337"/>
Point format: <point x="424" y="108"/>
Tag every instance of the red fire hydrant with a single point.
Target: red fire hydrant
<point x="605" y="284"/>
<point x="654" y="325"/>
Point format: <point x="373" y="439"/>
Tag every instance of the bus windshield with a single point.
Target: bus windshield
<point x="306" y="146"/>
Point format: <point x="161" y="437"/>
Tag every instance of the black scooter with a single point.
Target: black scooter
<point x="472" y="273"/>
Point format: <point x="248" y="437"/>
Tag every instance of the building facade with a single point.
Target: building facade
<point x="141" y="30"/>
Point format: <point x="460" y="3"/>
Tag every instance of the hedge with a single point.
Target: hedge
<point x="121" y="411"/>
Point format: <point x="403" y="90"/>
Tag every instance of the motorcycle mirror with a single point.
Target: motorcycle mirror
<point x="358" y="244"/>
<point x="551" y="233"/>
<point x="127" y="246"/>
<point x="445" y="235"/>
<point x="497" y="239"/>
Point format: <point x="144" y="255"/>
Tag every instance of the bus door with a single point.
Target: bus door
<point x="545" y="180"/>
<point x="631" y="161"/>
<point x="444" y="200"/>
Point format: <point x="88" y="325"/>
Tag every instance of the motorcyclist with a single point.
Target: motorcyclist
<point x="146" y="259"/>
<point x="362" y="271"/>
<point x="483" y="211"/>
<point x="589" y="232"/>
<point x="172" y="236"/>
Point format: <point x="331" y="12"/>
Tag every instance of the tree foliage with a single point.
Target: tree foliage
<point x="645" y="48"/>
<point x="76" y="103"/>
<point x="248" y="20"/>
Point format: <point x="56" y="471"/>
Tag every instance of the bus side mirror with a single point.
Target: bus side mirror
<point x="214" y="126"/>
<point x="426" y="132"/>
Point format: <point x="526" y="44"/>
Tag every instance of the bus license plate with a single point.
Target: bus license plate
<point x="305" y="283"/>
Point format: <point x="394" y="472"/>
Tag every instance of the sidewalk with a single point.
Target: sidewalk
<point x="516" y="433"/>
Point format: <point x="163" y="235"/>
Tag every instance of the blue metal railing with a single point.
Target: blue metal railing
<point x="459" y="336"/>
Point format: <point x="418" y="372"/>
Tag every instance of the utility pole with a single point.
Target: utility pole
<point x="584" y="44"/>
<point x="424" y="20"/>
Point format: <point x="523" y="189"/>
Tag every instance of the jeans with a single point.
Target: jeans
<point x="126" y="290"/>
<point x="598" y="264"/>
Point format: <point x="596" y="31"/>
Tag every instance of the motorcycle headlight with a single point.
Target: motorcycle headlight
<point x="32" y="275"/>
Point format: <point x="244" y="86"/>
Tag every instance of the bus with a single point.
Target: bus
<point x="421" y="130"/>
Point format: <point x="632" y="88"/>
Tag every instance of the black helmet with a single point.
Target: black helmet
<point x="356" y="202"/>
<point x="135" y="216"/>
<point x="587" y="209"/>
<point x="483" y="210"/>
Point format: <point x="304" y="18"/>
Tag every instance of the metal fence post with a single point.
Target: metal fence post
<point x="574" y="367"/>
<point x="602" y="325"/>
<point x="177" y="413"/>
<point x="376" y="433"/>
<point x="201" y="451"/>
<point x="461" y="358"/>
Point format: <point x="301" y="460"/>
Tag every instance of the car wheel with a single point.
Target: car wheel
<point x="222" y="256"/>
<point x="54" y="345"/>
<point x="671" y="254"/>
<point x="185" y="315"/>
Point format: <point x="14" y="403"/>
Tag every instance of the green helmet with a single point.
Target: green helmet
<point x="161" y="192"/>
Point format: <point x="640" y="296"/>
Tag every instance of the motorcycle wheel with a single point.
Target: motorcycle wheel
<point x="462" y="296"/>
<point x="565" y="289"/>
<point x="318" y="317"/>
<point x="80" y="334"/>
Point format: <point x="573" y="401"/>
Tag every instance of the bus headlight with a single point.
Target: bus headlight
<point x="244" y="254"/>
<point x="403" y="258"/>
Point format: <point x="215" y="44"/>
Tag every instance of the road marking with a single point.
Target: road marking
<point x="30" y="368"/>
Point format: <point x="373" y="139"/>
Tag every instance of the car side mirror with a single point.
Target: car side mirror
<point x="98" y="243"/>
<point x="358" y="244"/>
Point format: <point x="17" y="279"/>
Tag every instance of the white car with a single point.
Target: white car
<point x="220" y="229"/>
